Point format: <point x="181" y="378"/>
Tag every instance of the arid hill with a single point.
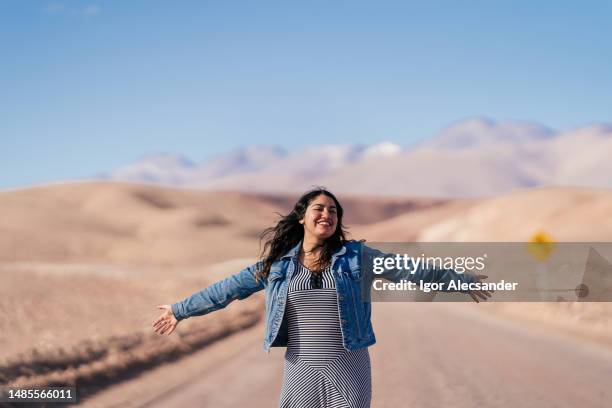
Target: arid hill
<point x="123" y="223"/>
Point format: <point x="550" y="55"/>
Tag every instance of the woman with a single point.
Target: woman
<point x="312" y="278"/>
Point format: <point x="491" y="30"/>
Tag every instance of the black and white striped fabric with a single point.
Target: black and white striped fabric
<point x="319" y="371"/>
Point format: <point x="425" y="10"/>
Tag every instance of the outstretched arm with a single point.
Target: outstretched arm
<point x="219" y="294"/>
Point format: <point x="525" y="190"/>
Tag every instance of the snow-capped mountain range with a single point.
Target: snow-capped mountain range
<point x="474" y="157"/>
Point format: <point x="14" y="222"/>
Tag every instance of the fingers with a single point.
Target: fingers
<point x="163" y="316"/>
<point x="168" y="328"/>
<point x="163" y="327"/>
<point x="166" y="322"/>
<point x="159" y="323"/>
<point x="160" y="319"/>
<point x="482" y="294"/>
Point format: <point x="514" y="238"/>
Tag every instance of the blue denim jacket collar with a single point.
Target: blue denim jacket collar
<point x="294" y="252"/>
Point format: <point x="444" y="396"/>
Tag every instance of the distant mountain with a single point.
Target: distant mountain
<point x="483" y="132"/>
<point x="160" y="168"/>
<point x="473" y="157"/>
<point x="248" y="159"/>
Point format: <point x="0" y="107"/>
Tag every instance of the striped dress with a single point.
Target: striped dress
<point x="319" y="372"/>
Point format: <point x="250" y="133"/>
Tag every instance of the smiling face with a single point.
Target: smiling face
<point x="321" y="218"/>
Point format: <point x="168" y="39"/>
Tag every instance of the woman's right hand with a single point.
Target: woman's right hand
<point x="166" y="322"/>
<point x="482" y="294"/>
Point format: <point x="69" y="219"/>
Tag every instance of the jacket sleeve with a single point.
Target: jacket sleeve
<point x="219" y="294"/>
<point x="413" y="274"/>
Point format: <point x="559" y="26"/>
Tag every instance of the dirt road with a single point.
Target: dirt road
<point x="427" y="355"/>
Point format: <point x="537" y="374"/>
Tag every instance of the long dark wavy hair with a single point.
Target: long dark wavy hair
<point x="286" y="234"/>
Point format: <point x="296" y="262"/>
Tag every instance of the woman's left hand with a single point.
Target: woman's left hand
<point x="482" y="294"/>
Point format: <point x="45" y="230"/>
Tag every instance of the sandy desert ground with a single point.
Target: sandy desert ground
<point x="82" y="266"/>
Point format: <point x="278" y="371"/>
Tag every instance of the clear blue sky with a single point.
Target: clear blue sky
<point x="87" y="86"/>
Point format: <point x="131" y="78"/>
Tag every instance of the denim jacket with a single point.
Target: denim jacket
<point x="346" y="267"/>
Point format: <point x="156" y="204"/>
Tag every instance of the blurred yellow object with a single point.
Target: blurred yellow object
<point x="541" y="246"/>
